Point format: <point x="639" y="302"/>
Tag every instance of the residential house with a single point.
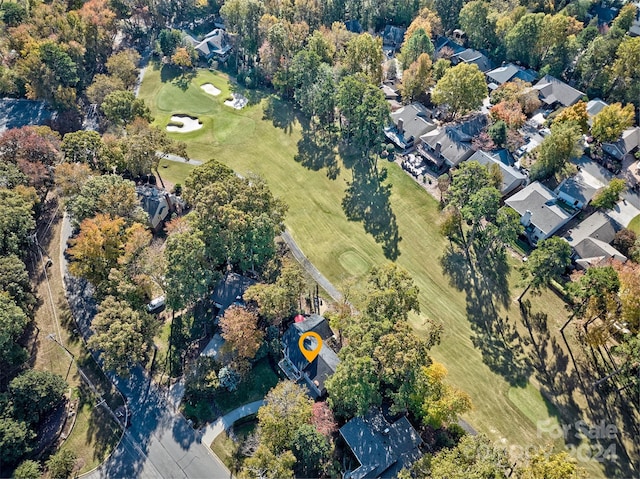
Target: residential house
<point x="294" y="364"/>
<point x="591" y="240"/>
<point x="541" y="213"/>
<point x="512" y="178"/>
<point x="472" y="57"/>
<point x="507" y="73"/>
<point x="626" y="146"/>
<point x="158" y="204"/>
<point x="230" y="290"/>
<point x="452" y="47"/>
<point x="16" y="113"/>
<point x="605" y="15"/>
<point x="393" y="36"/>
<point x="353" y="26"/>
<point x="409" y="124"/>
<point x="215" y="45"/>
<point x="554" y="92"/>
<point x="382" y="448"/>
<point x="576" y="191"/>
<point x="450" y="145"/>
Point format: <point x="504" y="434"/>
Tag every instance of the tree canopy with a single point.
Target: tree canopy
<point x="462" y="88"/>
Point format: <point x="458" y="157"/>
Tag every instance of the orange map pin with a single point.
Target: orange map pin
<point x="310" y="355"/>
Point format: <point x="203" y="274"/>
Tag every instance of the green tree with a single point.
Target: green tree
<point x="440" y="67"/>
<point x="122" y="107"/>
<point x="13" y="14"/>
<point x="546" y="263"/>
<point x="611" y="121"/>
<point x="15" y="440"/>
<point x="498" y="132"/>
<point x="522" y="40"/>
<point x="556" y="150"/>
<point x="242" y="18"/>
<point x="82" y="146"/>
<point x="417" y="79"/>
<point x="478" y="21"/>
<point x="102" y="86"/>
<point x="414" y="46"/>
<point x="106" y="194"/>
<point x="462" y="88"/>
<point x="13" y="322"/>
<point x="626" y="79"/>
<point x="210" y="172"/>
<point x="14" y="280"/>
<point x="123" y="336"/>
<point x="312" y="451"/>
<point x="448" y="11"/>
<point x="628" y="353"/>
<point x="355" y="386"/>
<point x="169" y="41"/>
<point x="61" y="464"/>
<point x="625" y="18"/>
<point x="189" y="275"/>
<point x="576" y="114"/>
<point x="17" y="222"/>
<point x="35" y="393"/>
<point x="124" y="66"/>
<point x="264" y="464"/>
<point x="286" y="408"/>
<point x="391" y="293"/>
<point x="27" y="470"/>
<point x="607" y="197"/>
<point x="364" y="55"/>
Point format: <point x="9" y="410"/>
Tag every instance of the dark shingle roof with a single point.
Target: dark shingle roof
<point x="382" y="449"/>
<point x="415" y="123"/>
<point x="229" y="289"/>
<point x="577" y="189"/>
<point x="511" y="177"/>
<point x="553" y="90"/>
<point x="546" y="214"/>
<point x="18" y="113"/>
<point x="509" y="72"/>
<point x="472" y="56"/>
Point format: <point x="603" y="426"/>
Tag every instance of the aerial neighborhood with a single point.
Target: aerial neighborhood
<point x="266" y="239"/>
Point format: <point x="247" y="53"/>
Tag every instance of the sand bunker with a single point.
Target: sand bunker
<point x="183" y="124"/>
<point x="210" y="89"/>
<point x="238" y="101"/>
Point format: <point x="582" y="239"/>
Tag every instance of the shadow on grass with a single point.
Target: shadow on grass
<point x="282" y="114"/>
<point x="316" y="150"/>
<point x="367" y="200"/>
<point x="102" y="430"/>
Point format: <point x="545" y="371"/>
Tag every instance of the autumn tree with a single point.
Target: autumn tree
<point x="626" y="79"/>
<point x="124" y="66"/>
<point x="608" y="196"/>
<point x="462" y="88"/>
<point x="123" y="336"/>
<point x="546" y="465"/>
<point x="611" y="121"/>
<point x="240" y="329"/>
<point x="264" y="464"/>
<point x="71" y="177"/>
<point x="97" y="248"/>
<point x="545" y="263"/>
<point x="416" y="79"/>
<point x="576" y="114"/>
<point x="102" y="86"/>
<point x="323" y="419"/>
<point x="182" y="58"/>
<point x="364" y="55"/>
<point x="510" y="113"/>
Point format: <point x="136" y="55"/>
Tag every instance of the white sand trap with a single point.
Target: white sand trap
<point x="184" y="124"/>
<point x="210" y="89"/>
<point x="238" y="101"/>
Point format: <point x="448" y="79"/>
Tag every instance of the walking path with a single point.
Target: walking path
<point x="211" y="431"/>
<point x="310" y="268"/>
<point x="180" y="159"/>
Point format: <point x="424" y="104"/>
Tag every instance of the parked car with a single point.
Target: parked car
<point x="156" y="304"/>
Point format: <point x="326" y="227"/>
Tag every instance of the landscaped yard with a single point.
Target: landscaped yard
<point x="258" y="383"/>
<point x="226" y="448"/>
<point x="635" y="225"/>
<point x="263" y="139"/>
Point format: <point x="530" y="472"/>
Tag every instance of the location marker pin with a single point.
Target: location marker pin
<point x="310" y="355"/>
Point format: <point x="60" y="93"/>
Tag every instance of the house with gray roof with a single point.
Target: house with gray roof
<point x="591" y="241"/>
<point x="409" y="123"/>
<point x="473" y="57"/>
<point x="158" y="204"/>
<point x="507" y="73"/>
<point x="382" y="448"/>
<point x="16" y="113"/>
<point x="541" y="212"/>
<point x="626" y="146"/>
<point x="230" y="290"/>
<point x="444" y="42"/>
<point x="554" y="92"/>
<point x="594" y="107"/>
<point x="393" y="36"/>
<point x="297" y="367"/>
<point x="215" y="45"/>
<point x="450" y="145"/>
<point x="512" y="178"/>
<point x="575" y="191"/>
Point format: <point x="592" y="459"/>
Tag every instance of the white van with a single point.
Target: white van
<point x="155" y="304"/>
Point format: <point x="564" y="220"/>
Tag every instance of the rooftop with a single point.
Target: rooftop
<point x="230" y="289"/>
<point x="512" y="178"/>
<point x="15" y="113"/>
<point x="410" y="122"/>
<point x="381" y="448"/>
<point x="553" y="90"/>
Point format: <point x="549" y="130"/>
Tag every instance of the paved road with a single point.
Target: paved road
<point x="180" y="159"/>
<point x="159" y="442"/>
<point x="211" y="431"/>
<point x="310" y="268"/>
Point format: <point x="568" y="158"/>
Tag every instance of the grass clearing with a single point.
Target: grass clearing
<point x="635" y="225"/>
<point x="260" y="380"/>
<point x="225" y="446"/>
<point x="343" y="250"/>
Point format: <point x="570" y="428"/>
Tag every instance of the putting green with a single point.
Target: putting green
<point x="353" y="263"/>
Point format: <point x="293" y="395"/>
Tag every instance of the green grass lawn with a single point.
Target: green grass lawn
<point x="260" y="380"/>
<point x="635" y="225"/>
<point x="226" y="448"/>
<point x="248" y="141"/>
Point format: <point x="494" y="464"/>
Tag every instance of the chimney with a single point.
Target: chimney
<point x="438" y="147"/>
<point x="526" y="218"/>
<point x="400" y="126"/>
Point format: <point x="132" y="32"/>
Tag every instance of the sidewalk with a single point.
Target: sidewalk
<point x="213" y="430"/>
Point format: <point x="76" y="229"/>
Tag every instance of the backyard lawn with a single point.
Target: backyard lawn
<point x="264" y="138"/>
<point x="260" y="380"/>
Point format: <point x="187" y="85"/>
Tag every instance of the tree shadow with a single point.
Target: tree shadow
<point x="254" y="95"/>
<point x="168" y="73"/>
<point x="184" y="79"/>
<point x="281" y="114"/>
<point x="367" y="200"/>
<point x="316" y="150"/>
